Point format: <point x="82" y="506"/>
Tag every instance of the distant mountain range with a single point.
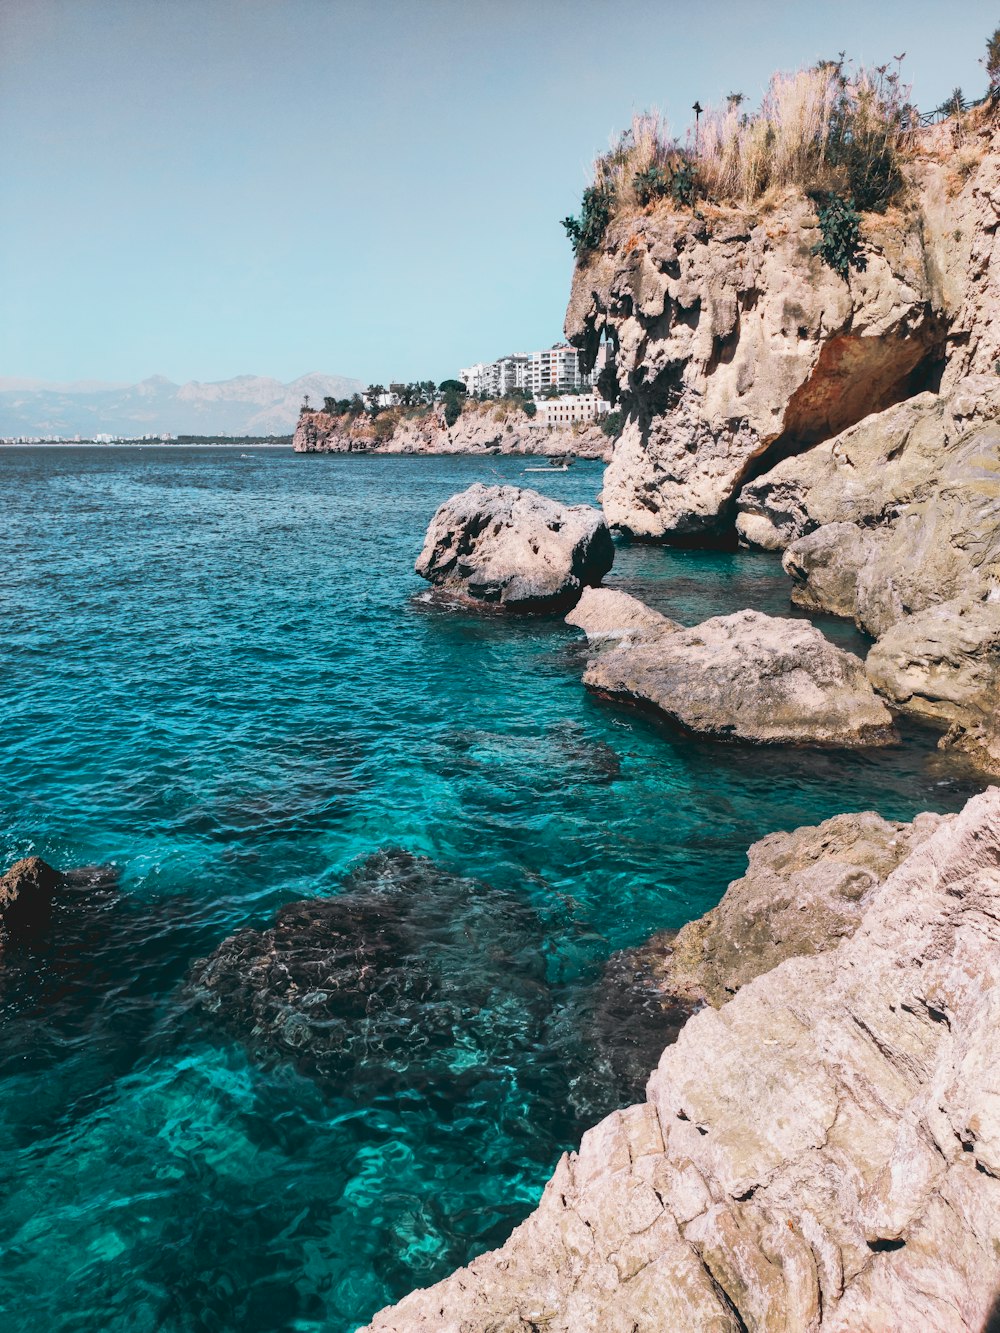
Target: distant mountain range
<point x="246" y="405"/>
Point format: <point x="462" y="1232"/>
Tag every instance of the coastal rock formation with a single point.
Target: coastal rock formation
<point x="802" y="894"/>
<point x="483" y="428"/>
<point x="900" y="524"/>
<point x="943" y="664"/>
<point x="343" y="985"/>
<point x="514" y="549"/>
<point x="748" y="677"/>
<point x="26" y="895"/>
<point x="608" y="615"/>
<point x="823" y="1152"/>
<point x="732" y="340"/>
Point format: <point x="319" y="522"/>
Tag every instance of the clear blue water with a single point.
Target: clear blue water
<point x="220" y="684"/>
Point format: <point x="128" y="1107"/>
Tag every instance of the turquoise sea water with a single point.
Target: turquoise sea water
<point x="222" y="687"/>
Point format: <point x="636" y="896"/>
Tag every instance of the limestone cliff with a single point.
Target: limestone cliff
<point x="821" y="1152"/>
<point x="849" y="422"/>
<point x="734" y="344"/>
<point x="482" y="428"/>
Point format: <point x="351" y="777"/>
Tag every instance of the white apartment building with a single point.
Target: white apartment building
<point x="570" y="408"/>
<point x="556" y="368"/>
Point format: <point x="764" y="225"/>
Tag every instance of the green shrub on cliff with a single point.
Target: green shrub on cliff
<point x="840" y="229"/>
<point x="587" y="231"/>
<point x="452" y="408"/>
<point x="677" y="182"/>
<point x="993" y="60"/>
<point x="612" y="424"/>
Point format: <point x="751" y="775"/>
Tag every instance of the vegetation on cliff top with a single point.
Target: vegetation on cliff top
<point x="829" y="132"/>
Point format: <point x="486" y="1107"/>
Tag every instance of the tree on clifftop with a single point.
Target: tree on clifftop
<point x="993" y="60"/>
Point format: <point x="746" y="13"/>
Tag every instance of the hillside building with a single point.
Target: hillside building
<point x="571" y="408"/>
<point x="555" y="367"/>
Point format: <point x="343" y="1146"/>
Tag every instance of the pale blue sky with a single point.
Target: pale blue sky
<point x="204" y="188"/>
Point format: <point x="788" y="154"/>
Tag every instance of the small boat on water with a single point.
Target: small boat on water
<point x="562" y="464"/>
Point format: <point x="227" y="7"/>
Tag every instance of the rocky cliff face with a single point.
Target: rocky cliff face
<point x="821" y="1152"/>
<point x="850" y="424"/>
<point x="483" y="428"/>
<point x="735" y="345"/>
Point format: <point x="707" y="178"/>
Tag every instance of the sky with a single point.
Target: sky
<point x="207" y="188"/>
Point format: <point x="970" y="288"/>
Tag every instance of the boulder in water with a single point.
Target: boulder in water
<point x="748" y="677"/>
<point x="515" y="550"/>
<point x="26" y="894"/>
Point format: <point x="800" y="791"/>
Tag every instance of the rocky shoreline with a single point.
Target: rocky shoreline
<point x="823" y="1151"/>
<point x="820" y="1143"/>
<point x="482" y="428"/>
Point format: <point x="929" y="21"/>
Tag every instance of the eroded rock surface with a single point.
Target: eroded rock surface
<point x="608" y="615"/>
<point x="822" y="1152"/>
<point x="514" y="549"/>
<point x="732" y="339"/>
<point x="748" y="677"/>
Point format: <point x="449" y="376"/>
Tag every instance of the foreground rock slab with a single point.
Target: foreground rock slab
<point x="803" y="893"/>
<point x="823" y="1152"/>
<point x="748" y="677"/>
<point x="514" y="549"/>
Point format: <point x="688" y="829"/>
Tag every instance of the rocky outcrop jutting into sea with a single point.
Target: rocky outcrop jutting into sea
<point x="515" y="550"/>
<point x="731" y="341"/>
<point x="26" y="895"/>
<point x="743" y="677"/>
<point x="849" y="422"/>
<point x="482" y="428"/>
<point x="822" y="1152"/>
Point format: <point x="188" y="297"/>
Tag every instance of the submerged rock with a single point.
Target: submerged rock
<point x="27" y="891"/>
<point x="409" y="977"/>
<point x="823" y="1152"/>
<point x="748" y="677"/>
<point x="514" y="549"/>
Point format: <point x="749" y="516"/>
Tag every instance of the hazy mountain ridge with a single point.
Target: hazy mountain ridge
<point x="246" y="404"/>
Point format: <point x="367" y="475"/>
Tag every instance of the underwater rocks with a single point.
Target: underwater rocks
<point x="407" y="978"/>
<point x="822" y="1152"/>
<point x="607" y="616"/>
<point x="27" y="891"/>
<point x="747" y="677"/>
<point x="515" y="550"/>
